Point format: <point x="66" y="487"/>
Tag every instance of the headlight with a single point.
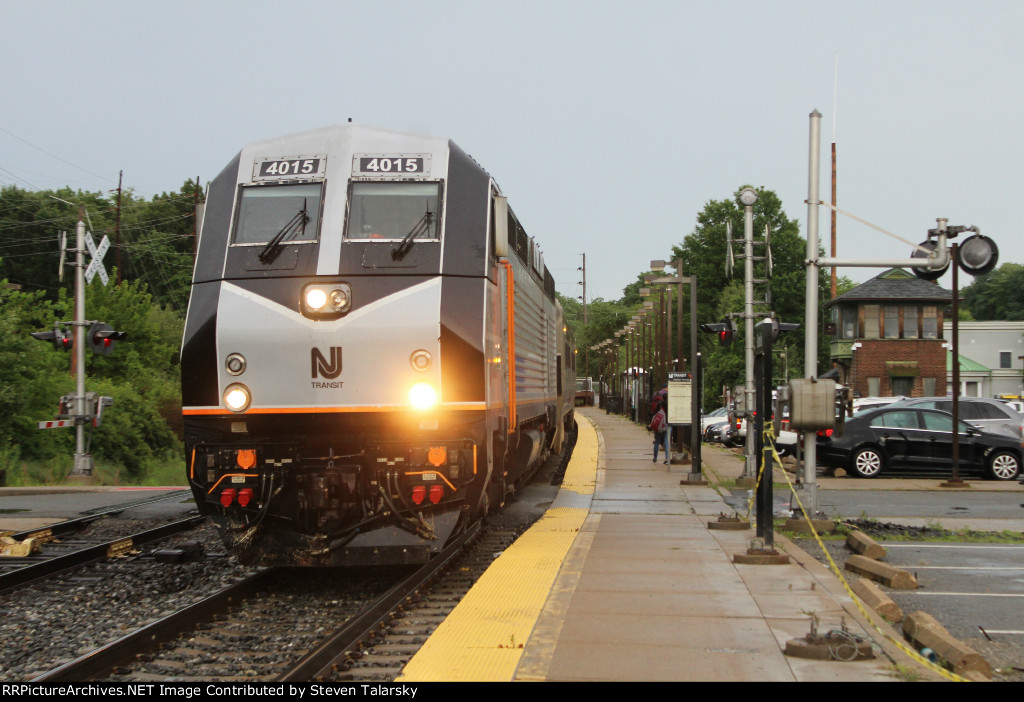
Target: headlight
<point x="316" y="299"/>
<point x="236" y="397"/>
<point x="326" y="300"/>
<point x="422" y="396"/>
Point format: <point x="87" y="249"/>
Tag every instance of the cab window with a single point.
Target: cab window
<point x="387" y="210"/>
<point x="265" y="212"/>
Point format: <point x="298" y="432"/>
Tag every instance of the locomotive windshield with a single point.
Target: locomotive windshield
<point x="265" y="211"/>
<point x="393" y="210"/>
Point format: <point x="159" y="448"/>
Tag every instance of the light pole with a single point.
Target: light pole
<point x="681" y="280"/>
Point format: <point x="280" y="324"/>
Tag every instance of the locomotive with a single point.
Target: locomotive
<point x="373" y="358"/>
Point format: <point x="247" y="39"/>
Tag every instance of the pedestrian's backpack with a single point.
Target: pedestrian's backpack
<point x="657" y="423"/>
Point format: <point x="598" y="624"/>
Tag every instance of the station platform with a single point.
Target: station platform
<point x="622" y="580"/>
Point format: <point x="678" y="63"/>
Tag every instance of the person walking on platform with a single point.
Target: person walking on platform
<point x="659" y="425"/>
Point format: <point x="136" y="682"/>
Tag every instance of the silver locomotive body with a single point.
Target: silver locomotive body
<point x="373" y="356"/>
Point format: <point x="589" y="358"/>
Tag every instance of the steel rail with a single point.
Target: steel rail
<point x="100" y="662"/>
<point x="359" y="627"/>
<point x="52" y="566"/>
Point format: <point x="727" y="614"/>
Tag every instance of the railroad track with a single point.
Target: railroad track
<point x="290" y="624"/>
<point x="67" y="545"/>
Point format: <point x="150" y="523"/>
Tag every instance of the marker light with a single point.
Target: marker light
<point x="419" y="493"/>
<point x="422" y="396"/>
<point x="420" y="360"/>
<point x="237" y="397"/>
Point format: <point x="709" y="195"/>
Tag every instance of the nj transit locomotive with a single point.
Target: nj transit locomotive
<point x="373" y="357"/>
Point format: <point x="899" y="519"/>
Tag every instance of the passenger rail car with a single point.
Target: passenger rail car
<point x="373" y="356"/>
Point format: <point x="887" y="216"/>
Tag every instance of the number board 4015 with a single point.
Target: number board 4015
<point x="393" y="165"/>
<point x="298" y="167"/>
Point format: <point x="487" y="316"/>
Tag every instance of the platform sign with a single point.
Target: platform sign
<point x="97" y="253"/>
<point x="680" y="398"/>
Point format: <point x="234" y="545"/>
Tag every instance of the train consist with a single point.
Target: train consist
<point x="374" y="357"/>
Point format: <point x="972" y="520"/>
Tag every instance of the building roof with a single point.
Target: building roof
<point x="967" y="365"/>
<point x="896" y="284"/>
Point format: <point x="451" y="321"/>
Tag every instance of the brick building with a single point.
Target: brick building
<point x="887" y="336"/>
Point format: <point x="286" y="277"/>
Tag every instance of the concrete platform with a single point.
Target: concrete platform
<point x="645" y="591"/>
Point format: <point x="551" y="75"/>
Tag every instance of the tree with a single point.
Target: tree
<point x="704" y="254"/>
<point x="998" y="295"/>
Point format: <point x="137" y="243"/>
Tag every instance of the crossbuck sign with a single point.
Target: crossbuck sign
<point x="97" y="258"/>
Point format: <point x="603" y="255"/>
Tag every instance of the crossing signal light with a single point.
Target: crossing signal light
<point x="726" y="331"/>
<point x="102" y="337"/>
<point x="59" y="337"/>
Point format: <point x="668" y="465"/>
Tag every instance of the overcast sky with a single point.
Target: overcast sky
<point x="609" y="125"/>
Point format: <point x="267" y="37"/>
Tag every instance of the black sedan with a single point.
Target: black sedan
<point x="917" y="438"/>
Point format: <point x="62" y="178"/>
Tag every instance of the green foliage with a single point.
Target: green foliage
<point x="141" y="375"/>
<point x="998" y="295"/>
<point x="703" y="254"/>
<point x="151" y="242"/>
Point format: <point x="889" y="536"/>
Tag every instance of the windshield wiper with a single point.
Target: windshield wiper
<point x="295" y="224"/>
<point x="417" y="229"/>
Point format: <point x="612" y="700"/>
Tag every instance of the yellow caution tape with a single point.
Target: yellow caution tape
<point x="769" y="441"/>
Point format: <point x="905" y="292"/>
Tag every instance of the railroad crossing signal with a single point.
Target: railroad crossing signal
<point x="726" y="331"/>
<point x="97" y="254"/>
<point x="59" y="337"/>
<point x="102" y="337"/>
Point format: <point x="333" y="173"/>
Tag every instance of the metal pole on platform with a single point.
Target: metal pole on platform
<point x="811" y="306"/>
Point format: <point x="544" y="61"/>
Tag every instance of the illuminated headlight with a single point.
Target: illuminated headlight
<point x="422" y="396"/>
<point x="326" y="300"/>
<point x="237" y="398"/>
<point x="316" y="299"/>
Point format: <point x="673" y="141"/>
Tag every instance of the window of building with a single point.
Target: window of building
<point x="930" y="322"/>
<point x="928" y="389"/>
<point x="901" y="385"/>
<point x="1005" y="359"/>
<point x="892" y="322"/>
<point x="848" y="318"/>
<point x="874" y="387"/>
<point x="910" y="326"/>
<point x="871" y="322"/>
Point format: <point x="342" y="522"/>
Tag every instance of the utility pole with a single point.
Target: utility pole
<point x="83" y="461"/>
<point x="748" y="197"/>
<point x="117" y="227"/>
<point x="584" y="284"/>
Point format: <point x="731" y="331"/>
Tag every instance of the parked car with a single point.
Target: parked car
<point x="983" y="412"/>
<point x="863" y="404"/>
<point x="716" y="417"/>
<point x="717" y="432"/>
<point x="785" y="441"/>
<point x="917" y="438"/>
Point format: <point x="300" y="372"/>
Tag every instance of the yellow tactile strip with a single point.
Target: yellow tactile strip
<point x="482" y="639"/>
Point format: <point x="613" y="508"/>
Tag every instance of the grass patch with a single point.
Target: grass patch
<point x="933" y="532"/>
<point x="156" y="472"/>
